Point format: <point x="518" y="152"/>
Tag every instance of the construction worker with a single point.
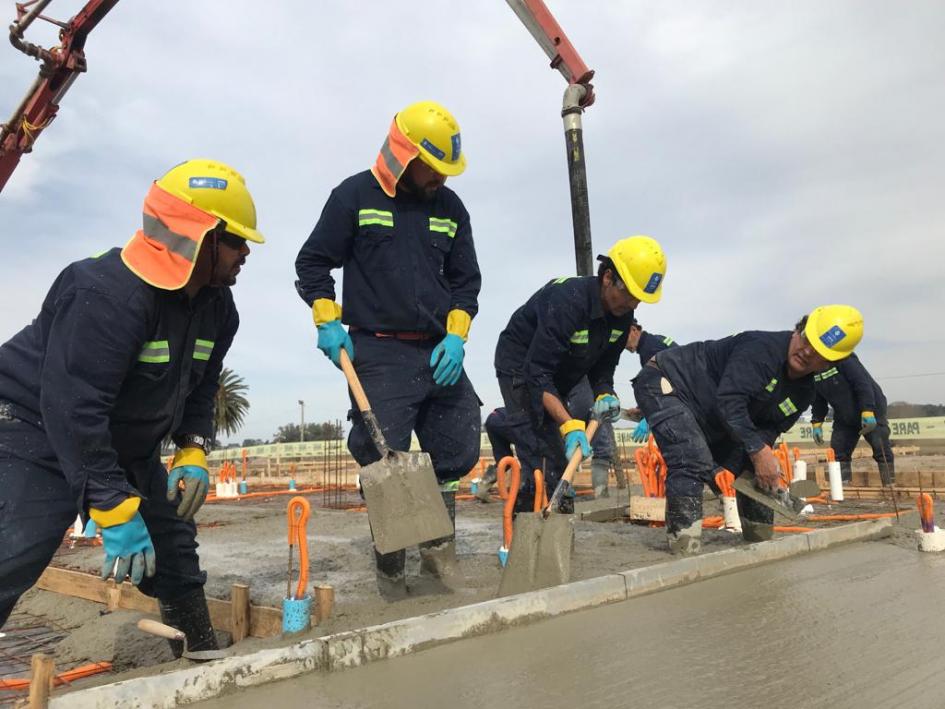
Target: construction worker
<point x="411" y="287"/>
<point x="705" y="399"/>
<point x="126" y="351"/>
<point x="859" y="409"/>
<point x="645" y="344"/>
<point x="571" y="328"/>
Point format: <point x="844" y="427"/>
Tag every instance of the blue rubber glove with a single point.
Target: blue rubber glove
<point x="817" y="430"/>
<point x="447" y="360"/>
<point x="867" y="422"/>
<point x="196" y="484"/>
<point x="331" y="338"/>
<point x="607" y="408"/>
<point x="130" y="545"/>
<point x="574" y="439"/>
<point x="641" y="432"/>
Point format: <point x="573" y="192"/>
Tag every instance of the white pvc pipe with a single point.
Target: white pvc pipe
<point x="800" y="470"/>
<point x="836" y="484"/>
<point x="77" y="527"/>
<point x="733" y="522"/>
<point x="220" y="492"/>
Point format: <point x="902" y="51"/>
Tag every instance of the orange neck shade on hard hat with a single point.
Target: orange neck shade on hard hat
<point x="164" y="251"/>
<point x="393" y="158"/>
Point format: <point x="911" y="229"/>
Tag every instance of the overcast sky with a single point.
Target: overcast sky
<point x="786" y="155"/>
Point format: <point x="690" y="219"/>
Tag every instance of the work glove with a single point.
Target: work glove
<point x="447" y="360"/>
<point x="817" y="429"/>
<point x="607" y="408"/>
<point x="190" y="468"/>
<point x="573" y="433"/>
<point x="331" y="338"/>
<point x="641" y="432"/>
<point x="867" y="422"/>
<point x="128" y="547"/>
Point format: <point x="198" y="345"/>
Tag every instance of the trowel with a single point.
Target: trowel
<point x="786" y="502"/>
<point x="165" y="631"/>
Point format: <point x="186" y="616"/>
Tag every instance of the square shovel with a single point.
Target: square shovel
<point x="540" y="554"/>
<point x="401" y="492"/>
<point x="786" y="502"/>
<point x="165" y="631"/>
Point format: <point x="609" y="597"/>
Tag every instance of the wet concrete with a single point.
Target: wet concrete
<point x="858" y="626"/>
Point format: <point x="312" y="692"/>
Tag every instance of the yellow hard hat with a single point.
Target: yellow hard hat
<point x="432" y="128"/>
<point x="641" y="264"/>
<point x="834" y="330"/>
<point x="217" y="189"/>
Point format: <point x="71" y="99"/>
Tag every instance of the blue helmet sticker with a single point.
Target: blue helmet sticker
<point x="207" y="183"/>
<point x="832" y="336"/>
<point x="457" y="147"/>
<point x="432" y="149"/>
<point x="653" y="283"/>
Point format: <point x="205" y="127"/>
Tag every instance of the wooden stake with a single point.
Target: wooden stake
<point x="112" y="595"/>
<point x="239" y="610"/>
<point x="41" y="683"/>
<point x="324" y="601"/>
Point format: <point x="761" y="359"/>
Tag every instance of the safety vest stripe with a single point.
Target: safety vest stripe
<point x="579" y="337"/>
<point x="787" y="407"/>
<point x="446" y="226"/>
<point x="615" y="335"/>
<point x="826" y="375"/>
<point x="667" y="341"/>
<point x="559" y="281"/>
<point x="183" y="246"/>
<point x="203" y="349"/>
<point x="155" y="352"/>
<point x="375" y="216"/>
<point x="771" y="385"/>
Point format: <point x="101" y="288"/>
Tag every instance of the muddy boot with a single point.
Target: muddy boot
<point x="846" y="471"/>
<point x="600" y="473"/>
<point x="189" y="613"/>
<point x="487" y="481"/>
<point x="620" y="474"/>
<point x="438" y="556"/>
<point x="684" y="524"/>
<point x="757" y="531"/>
<point x="887" y="473"/>
<point x="391" y="579"/>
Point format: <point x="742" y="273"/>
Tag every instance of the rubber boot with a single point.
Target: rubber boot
<point x="600" y="473"/>
<point x="887" y="473"/>
<point x="438" y="556"/>
<point x="846" y="471"/>
<point x="487" y="481"/>
<point x="620" y="474"/>
<point x="566" y="506"/>
<point x="391" y="579"/>
<point x="684" y="524"/>
<point x="757" y="531"/>
<point x="189" y="613"/>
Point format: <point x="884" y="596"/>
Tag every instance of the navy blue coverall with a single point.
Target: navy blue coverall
<point x="402" y="276"/>
<point x="649" y="344"/>
<point x="88" y="391"/>
<point x="559" y="336"/>
<point x="712" y="404"/>
<point x="850" y="390"/>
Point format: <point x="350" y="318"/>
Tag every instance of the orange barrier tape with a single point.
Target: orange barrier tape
<point x="298" y="512"/>
<point x="62" y="678"/>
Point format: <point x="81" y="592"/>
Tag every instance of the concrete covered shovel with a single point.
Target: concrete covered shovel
<point x="540" y="553"/>
<point x="403" y="498"/>
<point x="165" y="631"/>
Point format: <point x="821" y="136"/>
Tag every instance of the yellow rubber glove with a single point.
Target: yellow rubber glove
<point x="325" y="311"/>
<point x="458" y="322"/>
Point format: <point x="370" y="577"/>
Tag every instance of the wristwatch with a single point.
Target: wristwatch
<point x="192" y="440"/>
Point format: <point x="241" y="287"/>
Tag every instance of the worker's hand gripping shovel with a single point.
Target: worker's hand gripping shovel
<point x="540" y="555"/>
<point x="403" y="498"/>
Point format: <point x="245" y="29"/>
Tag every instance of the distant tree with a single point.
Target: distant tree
<point x="231" y="404"/>
<point x="325" y="431"/>
<point x="907" y="410"/>
<point x="247" y="442"/>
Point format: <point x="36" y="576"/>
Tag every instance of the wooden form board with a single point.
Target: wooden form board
<point x="648" y="509"/>
<point x="264" y="622"/>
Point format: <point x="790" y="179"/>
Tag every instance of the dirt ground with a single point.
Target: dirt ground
<point x="245" y="542"/>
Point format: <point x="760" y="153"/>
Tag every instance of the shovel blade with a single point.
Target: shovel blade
<point x="540" y="555"/>
<point x="403" y="500"/>
<point x="788" y="506"/>
<point x="204" y="655"/>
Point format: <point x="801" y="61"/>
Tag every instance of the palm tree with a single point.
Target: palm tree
<point x="230" y="404"/>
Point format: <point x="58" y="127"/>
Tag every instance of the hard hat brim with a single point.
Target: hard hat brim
<point x="443" y="167"/>
<point x="241" y="230"/>
<point x="632" y="286"/>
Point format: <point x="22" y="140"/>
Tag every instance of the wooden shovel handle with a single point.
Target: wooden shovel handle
<point x="354" y="383"/>
<point x="578" y="456"/>
<point x="159" y="629"/>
